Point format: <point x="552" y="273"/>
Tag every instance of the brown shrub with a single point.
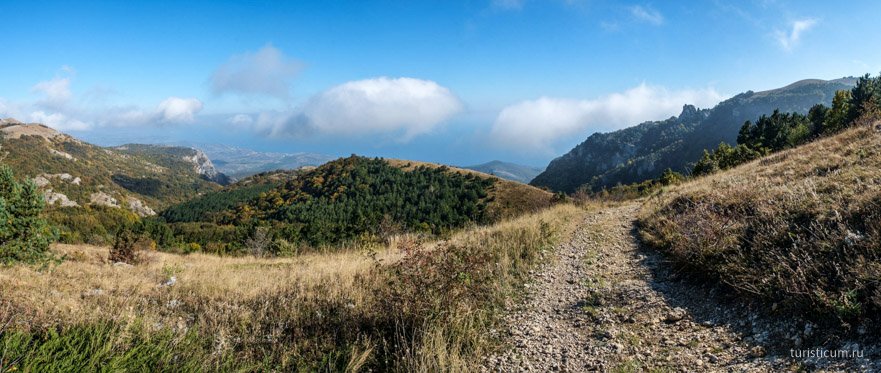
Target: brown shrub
<point x="130" y="247"/>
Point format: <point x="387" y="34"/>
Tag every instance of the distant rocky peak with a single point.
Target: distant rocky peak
<point x="203" y="166"/>
<point x="201" y="163"/>
<point x="689" y="113"/>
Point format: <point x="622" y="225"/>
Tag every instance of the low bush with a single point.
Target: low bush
<point x="130" y="247"/>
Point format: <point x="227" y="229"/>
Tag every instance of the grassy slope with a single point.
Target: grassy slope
<point x="313" y="312"/>
<point x="798" y="229"/>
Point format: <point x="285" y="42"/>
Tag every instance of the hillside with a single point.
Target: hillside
<point x="208" y="206"/>
<point x="507" y="199"/>
<point x="644" y="151"/>
<point x="173" y="156"/>
<point x="348" y="199"/>
<point x="90" y="189"/>
<point x="505" y="170"/>
<point x="795" y="232"/>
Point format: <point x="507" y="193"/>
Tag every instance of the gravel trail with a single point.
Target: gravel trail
<point x="605" y="304"/>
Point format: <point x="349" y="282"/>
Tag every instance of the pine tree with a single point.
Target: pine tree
<point x="837" y="117"/>
<point x="24" y="234"/>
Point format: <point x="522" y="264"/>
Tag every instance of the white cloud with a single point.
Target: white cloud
<point x="647" y="14"/>
<point x="241" y="119"/>
<point x="610" y="26"/>
<point x="535" y="125"/>
<point x="403" y="107"/>
<point x="178" y="110"/>
<point x="172" y="110"/>
<point x="267" y="71"/>
<point x="58" y="121"/>
<point x="59" y="108"/>
<point x="790" y="40"/>
<point x="56" y="92"/>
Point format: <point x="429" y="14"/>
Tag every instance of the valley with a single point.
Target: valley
<point x="674" y="228"/>
<point x="488" y="186"/>
<point x="745" y="259"/>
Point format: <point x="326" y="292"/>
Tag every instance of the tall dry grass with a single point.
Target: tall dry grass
<point x="410" y="305"/>
<point x="799" y="229"/>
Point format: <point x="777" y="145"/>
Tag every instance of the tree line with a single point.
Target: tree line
<point x="779" y="131"/>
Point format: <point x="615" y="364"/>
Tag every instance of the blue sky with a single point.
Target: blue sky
<point x="446" y="81"/>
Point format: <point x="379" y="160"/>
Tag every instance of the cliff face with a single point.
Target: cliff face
<point x="203" y="166"/>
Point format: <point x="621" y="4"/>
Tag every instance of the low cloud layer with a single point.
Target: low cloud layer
<point x="267" y="71"/>
<point x="789" y="39"/>
<point x="399" y="107"/>
<point x="56" y="106"/>
<point x="56" y="92"/>
<point x="536" y="125"/>
<point x="178" y="110"/>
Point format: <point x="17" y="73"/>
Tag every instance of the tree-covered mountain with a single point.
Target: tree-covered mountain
<point x="92" y="190"/>
<point x="644" y="151"/>
<point x="505" y="170"/>
<point x="346" y="199"/>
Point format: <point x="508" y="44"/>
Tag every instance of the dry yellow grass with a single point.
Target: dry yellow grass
<point x="239" y="303"/>
<point x="849" y="163"/>
<point x="86" y="287"/>
<point x="798" y="228"/>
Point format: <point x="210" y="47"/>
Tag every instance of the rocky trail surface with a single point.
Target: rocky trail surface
<point x="605" y="304"/>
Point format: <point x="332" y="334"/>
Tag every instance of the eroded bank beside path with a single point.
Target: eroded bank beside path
<point x="605" y="304"/>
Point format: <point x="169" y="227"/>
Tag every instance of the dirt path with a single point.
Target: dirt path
<point x="607" y="305"/>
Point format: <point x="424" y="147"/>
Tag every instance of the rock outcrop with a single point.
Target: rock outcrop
<point x="52" y="198"/>
<point x="103" y="199"/>
<point x="140" y="208"/>
<point x="203" y="166"/>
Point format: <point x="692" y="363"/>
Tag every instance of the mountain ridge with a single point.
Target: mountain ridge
<point x="197" y="158"/>
<point x="90" y="190"/>
<point x="643" y="151"/>
<point x="507" y="170"/>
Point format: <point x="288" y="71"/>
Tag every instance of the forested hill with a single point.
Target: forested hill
<point x="644" y="151"/>
<point x="351" y="198"/>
